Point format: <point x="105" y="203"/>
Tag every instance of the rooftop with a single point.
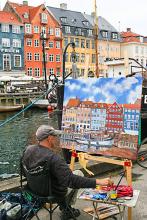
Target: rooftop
<point x="8" y="18"/>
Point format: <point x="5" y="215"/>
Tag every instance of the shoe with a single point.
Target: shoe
<point x="70" y="214"/>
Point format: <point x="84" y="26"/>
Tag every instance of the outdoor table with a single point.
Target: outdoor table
<point x="131" y="203"/>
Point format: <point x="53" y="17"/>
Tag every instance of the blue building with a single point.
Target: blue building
<point x="131" y="119"/>
<point x="98" y="117"/>
<point x="11" y="45"/>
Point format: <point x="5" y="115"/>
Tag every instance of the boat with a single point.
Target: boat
<point x="40" y="103"/>
<point x="10" y="108"/>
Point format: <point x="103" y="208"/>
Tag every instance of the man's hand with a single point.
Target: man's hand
<point x="104" y="182"/>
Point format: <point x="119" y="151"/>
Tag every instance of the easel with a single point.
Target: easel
<point x="127" y="165"/>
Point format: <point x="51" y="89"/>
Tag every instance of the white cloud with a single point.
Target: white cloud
<point x="134" y="95"/>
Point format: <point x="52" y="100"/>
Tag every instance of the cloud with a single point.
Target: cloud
<point x="134" y="95"/>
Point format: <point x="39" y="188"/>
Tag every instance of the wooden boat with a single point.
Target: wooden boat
<point x="10" y="108"/>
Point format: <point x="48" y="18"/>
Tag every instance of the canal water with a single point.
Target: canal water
<point x="16" y="135"/>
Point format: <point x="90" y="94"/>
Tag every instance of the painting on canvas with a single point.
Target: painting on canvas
<point x="101" y="116"/>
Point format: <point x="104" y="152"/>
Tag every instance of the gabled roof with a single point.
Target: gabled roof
<point x="21" y="9"/>
<point x="132" y="106"/>
<point x="129" y="36"/>
<point x="8" y="18"/>
<point x="74" y="18"/>
<point x="73" y="103"/>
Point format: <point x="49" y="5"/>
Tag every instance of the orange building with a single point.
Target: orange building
<point x="38" y="20"/>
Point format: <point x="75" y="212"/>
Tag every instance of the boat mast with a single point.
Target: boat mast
<point x="96" y="38"/>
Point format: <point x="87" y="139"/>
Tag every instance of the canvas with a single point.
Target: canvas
<point x="102" y="116"/>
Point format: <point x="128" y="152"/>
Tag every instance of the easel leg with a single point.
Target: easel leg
<point x="129" y="180"/>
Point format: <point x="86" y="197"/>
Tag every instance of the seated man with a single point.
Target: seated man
<point x="47" y="152"/>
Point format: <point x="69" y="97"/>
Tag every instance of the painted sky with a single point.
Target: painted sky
<point x="121" y="14"/>
<point x="104" y="90"/>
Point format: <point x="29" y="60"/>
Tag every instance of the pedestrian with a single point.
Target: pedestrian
<point x="64" y="182"/>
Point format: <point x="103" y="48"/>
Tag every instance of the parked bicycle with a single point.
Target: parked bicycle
<point x="142" y="154"/>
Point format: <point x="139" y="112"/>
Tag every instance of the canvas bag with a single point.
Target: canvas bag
<point x="9" y="211"/>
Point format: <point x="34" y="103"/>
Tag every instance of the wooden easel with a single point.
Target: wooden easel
<point x="127" y="165"/>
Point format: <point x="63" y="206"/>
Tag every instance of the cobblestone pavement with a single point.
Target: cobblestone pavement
<point x="139" y="213"/>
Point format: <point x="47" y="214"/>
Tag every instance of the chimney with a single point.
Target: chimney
<point x="63" y="6"/>
<point x="25" y="2"/>
<point x="128" y="29"/>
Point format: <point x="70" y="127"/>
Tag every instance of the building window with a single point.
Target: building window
<point x="82" y="58"/>
<point x="29" y="56"/>
<point x="28" y="28"/>
<point x="5" y="42"/>
<point x="82" y="43"/>
<point x="51" y="71"/>
<point x="88" y="44"/>
<point x="17" y="60"/>
<point x="30" y="71"/>
<point x="82" y="72"/>
<point x="6" y="62"/>
<point x="37" y="72"/>
<point x="66" y="57"/>
<point x="37" y="57"/>
<point x="51" y="31"/>
<point x="51" y="58"/>
<point x="51" y="44"/>
<point x="90" y="32"/>
<point x="63" y="19"/>
<point x="58" y="44"/>
<point x="16" y="29"/>
<point x="77" y="42"/>
<point x="29" y="42"/>
<point x="77" y="57"/>
<point x="93" y="58"/>
<point x="36" y="43"/>
<point x="5" y="28"/>
<point x="93" y="44"/>
<point x="44" y="18"/>
<point x="65" y="41"/>
<point x="17" y="43"/>
<point x="58" y="71"/>
<point x="104" y="34"/>
<point x="67" y="29"/>
<point x="43" y="30"/>
<point x="36" y="29"/>
<point x="78" y="31"/>
<point x="57" y="32"/>
<point x="114" y="35"/>
<point x="57" y="58"/>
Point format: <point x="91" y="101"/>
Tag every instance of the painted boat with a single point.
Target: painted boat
<point x="10" y="108"/>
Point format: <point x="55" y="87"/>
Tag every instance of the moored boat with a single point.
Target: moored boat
<point x="10" y="108"/>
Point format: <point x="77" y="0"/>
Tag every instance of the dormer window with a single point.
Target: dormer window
<point x="63" y="19"/>
<point x="25" y="15"/>
<point x="85" y="23"/>
<point x="78" y="31"/>
<point x="104" y="34"/>
<point x="90" y="32"/>
<point x="114" y="35"/>
<point x="43" y="18"/>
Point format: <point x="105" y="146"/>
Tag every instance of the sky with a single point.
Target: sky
<point x="104" y="90"/>
<point x="121" y="14"/>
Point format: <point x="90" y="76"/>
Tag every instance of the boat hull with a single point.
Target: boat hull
<point x="10" y="108"/>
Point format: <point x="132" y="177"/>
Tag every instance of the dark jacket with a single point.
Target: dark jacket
<point x="56" y="169"/>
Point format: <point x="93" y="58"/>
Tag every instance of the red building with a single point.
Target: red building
<point x="114" y="118"/>
<point x="37" y="20"/>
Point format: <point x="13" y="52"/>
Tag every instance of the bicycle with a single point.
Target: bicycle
<point x="142" y="154"/>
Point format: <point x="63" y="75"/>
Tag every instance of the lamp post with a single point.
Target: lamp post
<point x="43" y="38"/>
<point x="64" y="58"/>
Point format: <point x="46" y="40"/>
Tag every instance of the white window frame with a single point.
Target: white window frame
<point x="57" y="32"/>
<point x="15" y="55"/>
<point x="51" y="57"/>
<point x="5" y="42"/>
<point x="51" y="31"/>
<point x="16" y="29"/>
<point x="16" y="43"/>
<point x="30" y="70"/>
<point x="37" y="72"/>
<point x="36" y="57"/>
<point x="58" y="46"/>
<point x="51" y="71"/>
<point x="29" y="56"/>
<point x="58" y="58"/>
<point x="36" y="29"/>
<point x="5" y="28"/>
<point x="51" y="43"/>
<point x="43" y="17"/>
<point x="28" y="28"/>
<point x="29" y="42"/>
<point x="67" y="30"/>
<point x="9" y="60"/>
<point x="36" y="43"/>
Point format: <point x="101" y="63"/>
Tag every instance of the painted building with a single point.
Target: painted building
<point x="37" y="20"/>
<point x="76" y="28"/>
<point x="131" y="118"/>
<point x="98" y="116"/>
<point x="11" y="45"/>
<point x="114" y="118"/>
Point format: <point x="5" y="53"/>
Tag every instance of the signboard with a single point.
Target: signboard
<point x="101" y="116"/>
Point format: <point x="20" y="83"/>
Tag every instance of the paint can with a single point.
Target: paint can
<point x="113" y="195"/>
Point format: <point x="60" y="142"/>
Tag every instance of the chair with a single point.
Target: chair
<point x="36" y="202"/>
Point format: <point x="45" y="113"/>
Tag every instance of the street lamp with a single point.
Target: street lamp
<point x="43" y="38"/>
<point x="64" y="58"/>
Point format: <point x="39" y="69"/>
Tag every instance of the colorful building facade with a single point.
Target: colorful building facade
<point x="11" y="45"/>
<point x="38" y="21"/>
